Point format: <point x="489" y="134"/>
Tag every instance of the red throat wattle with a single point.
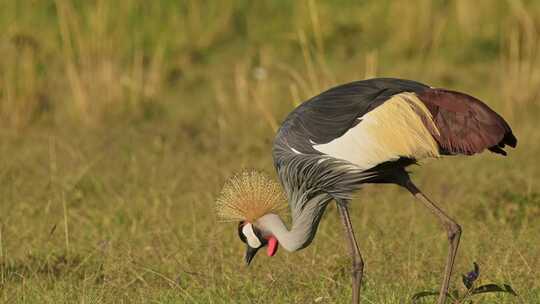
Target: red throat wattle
<point x="272" y="246"/>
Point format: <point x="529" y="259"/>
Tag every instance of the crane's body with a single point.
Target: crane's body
<point x="369" y="132"/>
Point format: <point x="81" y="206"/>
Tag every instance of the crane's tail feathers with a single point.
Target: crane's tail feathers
<point x="248" y="195"/>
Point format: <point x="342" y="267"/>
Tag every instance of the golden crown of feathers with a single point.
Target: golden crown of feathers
<point x="248" y="195"/>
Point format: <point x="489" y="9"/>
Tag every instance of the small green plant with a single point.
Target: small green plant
<point x="471" y="289"/>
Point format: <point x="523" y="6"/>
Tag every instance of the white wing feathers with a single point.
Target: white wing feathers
<point x="392" y="130"/>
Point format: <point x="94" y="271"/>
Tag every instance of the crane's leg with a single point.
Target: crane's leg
<point x="357" y="261"/>
<point x="452" y="229"/>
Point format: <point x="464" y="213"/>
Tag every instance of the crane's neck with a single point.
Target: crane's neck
<point x="272" y="224"/>
<point x="304" y="226"/>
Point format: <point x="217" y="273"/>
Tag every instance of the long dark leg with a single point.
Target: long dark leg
<point x="452" y="229"/>
<point x="357" y="261"/>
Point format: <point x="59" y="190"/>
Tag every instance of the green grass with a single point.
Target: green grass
<point x="120" y="121"/>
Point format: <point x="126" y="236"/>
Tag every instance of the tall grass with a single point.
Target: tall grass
<point x="520" y="73"/>
<point x="90" y="61"/>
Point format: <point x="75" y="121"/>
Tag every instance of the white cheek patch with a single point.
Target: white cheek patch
<point x="252" y="240"/>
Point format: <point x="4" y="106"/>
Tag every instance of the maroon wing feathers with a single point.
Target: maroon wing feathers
<point x="466" y="125"/>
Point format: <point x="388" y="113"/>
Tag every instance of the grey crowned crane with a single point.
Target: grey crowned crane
<point x="362" y="132"/>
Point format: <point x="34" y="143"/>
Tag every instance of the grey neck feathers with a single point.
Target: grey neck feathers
<point x="304" y="226"/>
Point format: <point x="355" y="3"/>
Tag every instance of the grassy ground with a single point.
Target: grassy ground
<point x="121" y="120"/>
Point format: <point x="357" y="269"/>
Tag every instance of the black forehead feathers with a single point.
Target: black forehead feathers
<point x="240" y="234"/>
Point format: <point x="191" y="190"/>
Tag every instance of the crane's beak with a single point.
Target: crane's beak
<point x="250" y="254"/>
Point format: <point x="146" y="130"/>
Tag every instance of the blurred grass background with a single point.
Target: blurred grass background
<point x="120" y="120"/>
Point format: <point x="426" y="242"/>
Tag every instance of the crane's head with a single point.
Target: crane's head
<point x="255" y="239"/>
<point x="245" y="198"/>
